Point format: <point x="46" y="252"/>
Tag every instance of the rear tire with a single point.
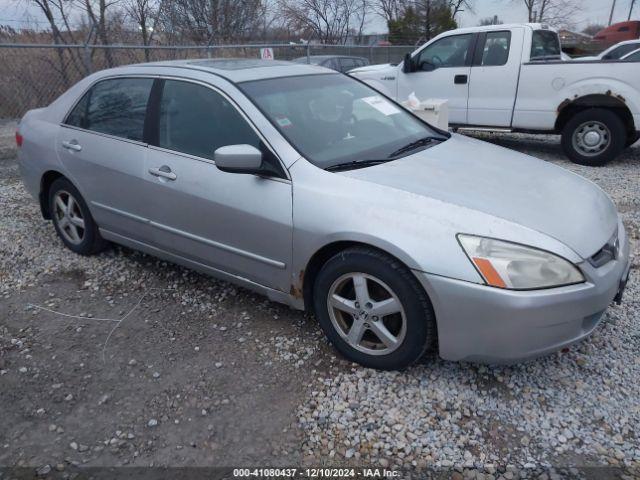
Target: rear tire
<point x="632" y="138"/>
<point x="72" y="219"/>
<point x="373" y="310"/>
<point x="594" y="137"/>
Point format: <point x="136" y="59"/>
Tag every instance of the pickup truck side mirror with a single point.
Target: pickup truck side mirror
<point x="239" y="159"/>
<point x="407" y="64"/>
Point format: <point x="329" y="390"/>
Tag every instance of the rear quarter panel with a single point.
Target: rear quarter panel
<point x="37" y="154"/>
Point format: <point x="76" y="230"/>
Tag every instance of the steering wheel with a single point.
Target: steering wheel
<point x="436" y="60"/>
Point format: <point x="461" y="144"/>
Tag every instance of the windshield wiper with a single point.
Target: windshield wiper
<point x="422" y="142"/>
<point x="411" y="146"/>
<point x="356" y="164"/>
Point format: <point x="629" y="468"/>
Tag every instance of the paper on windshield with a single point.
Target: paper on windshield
<point x="381" y="104"/>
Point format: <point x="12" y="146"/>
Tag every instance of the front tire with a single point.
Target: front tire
<point x="72" y="219"/>
<point x="594" y="137"/>
<point x="373" y="310"/>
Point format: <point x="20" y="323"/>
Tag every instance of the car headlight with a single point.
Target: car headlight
<point x="517" y="267"/>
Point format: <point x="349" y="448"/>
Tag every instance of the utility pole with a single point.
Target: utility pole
<point x="631" y="9"/>
<point x="613" y="7"/>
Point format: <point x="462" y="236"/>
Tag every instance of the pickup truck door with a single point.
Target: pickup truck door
<point x="494" y="77"/>
<point x="442" y="70"/>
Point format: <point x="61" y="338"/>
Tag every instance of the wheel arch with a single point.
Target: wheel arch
<point x="46" y="181"/>
<point x="615" y="103"/>
<point x="323" y="254"/>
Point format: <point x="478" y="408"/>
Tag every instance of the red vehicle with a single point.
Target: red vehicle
<point x="618" y="32"/>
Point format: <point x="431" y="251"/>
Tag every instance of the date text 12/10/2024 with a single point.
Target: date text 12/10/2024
<point x="315" y="472"/>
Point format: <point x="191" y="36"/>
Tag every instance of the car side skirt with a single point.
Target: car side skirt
<point x="270" y="293"/>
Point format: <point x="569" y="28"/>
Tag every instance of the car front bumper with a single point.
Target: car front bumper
<point x="490" y="325"/>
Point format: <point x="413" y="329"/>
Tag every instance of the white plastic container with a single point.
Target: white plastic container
<point x="434" y="111"/>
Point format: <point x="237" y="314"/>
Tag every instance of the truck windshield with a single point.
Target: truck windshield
<point x="332" y="119"/>
<point x="545" y="45"/>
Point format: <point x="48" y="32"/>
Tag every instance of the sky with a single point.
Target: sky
<point x="18" y="13"/>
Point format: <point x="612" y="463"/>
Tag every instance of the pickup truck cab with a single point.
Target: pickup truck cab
<point x="512" y="78"/>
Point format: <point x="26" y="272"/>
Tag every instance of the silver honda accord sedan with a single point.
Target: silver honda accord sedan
<point x="319" y="192"/>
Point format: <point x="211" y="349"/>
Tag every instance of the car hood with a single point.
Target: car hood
<point x="505" y="184"/>
<point x="372" y="68"/>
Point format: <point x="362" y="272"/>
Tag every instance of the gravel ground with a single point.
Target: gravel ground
<point x="195" y="371"/>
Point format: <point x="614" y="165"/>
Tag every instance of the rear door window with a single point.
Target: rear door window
<point x="116" y="107"/>
<point x="496" y="49"/>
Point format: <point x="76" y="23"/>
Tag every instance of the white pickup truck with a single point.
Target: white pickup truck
<point x="511" y="78"/>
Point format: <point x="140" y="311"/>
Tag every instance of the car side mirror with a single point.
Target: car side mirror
<point x="239" y="159"/>
<point x="407" y="64"/>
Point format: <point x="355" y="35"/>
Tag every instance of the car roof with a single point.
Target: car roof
<point x="625" y="42"/>
<point x="504" y="26"/>
<point x="619" y="44"/>
<point x="238" y="70"/>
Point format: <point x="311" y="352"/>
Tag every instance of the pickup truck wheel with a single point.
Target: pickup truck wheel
<point x="594" y="137"/>
<point x="373" y="310"/>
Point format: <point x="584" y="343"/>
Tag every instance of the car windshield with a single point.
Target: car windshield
<point x="619" y="52"/>
<point x="333" y="119"/>
<point x="634" y="57"/>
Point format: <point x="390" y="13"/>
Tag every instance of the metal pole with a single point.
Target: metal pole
<point x="613" y="7"/>
<point x="631" y="9"/>
<point x="308" y="52"/>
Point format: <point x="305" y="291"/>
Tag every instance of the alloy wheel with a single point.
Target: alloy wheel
<point x="68" y="216"/>
<point x="367" y="313"/>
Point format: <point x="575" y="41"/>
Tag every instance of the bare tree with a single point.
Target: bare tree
<point x="495" y="20"/>
<point x="390" y="10"/>
<point x="97" y="12"/>
<point x="212" y="21"/>
<point x="145" y="14"/>
<point x="592" y="29"/>
<point x="330" y="21"/>
<point x="457" y="6"/>
<point x="57" y="13"/>
<point x="553" y="12"/>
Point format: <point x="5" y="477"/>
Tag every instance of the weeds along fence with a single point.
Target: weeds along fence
<point x="32" y="75"/>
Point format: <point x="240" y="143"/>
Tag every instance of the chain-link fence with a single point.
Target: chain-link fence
<point x="32" y="76"/>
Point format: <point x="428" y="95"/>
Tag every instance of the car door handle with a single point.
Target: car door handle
<point x="164" y="171"/>
<point x="460" y="79"/>
<point x="72" y="145"/>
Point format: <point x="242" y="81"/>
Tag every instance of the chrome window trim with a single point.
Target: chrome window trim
<point x="107" y="135"/>
<point x="166" y="150"/>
